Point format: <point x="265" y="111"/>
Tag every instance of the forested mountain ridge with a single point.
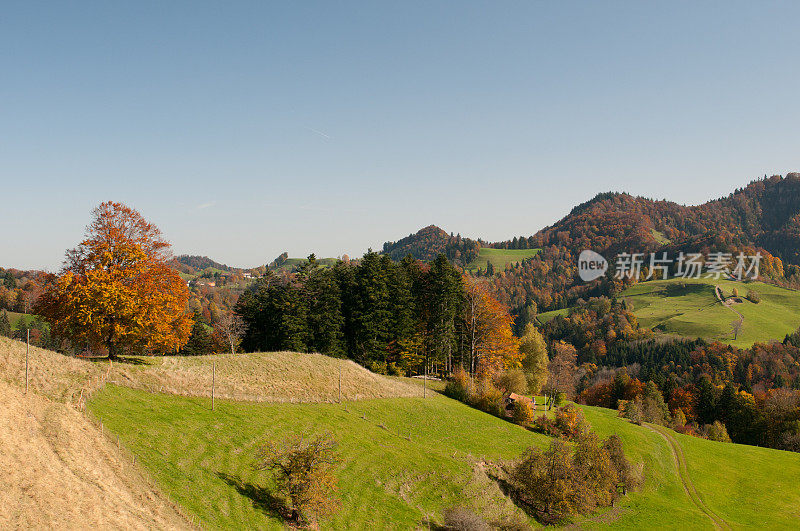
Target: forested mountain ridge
<point x="202" y="262"/>
<point x="764" y="214"/>
<point x="764" y="217"/>
<point x="431" y="241"/>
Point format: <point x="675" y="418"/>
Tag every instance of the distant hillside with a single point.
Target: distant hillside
<point x="284" y="263"/>
<point x="431" y="241"/>
<point x="764" y="216"/>
<point x="202" y="262"/>
<point x="691" y="308"/>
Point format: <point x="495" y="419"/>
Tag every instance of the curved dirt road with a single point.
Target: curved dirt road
<point x="683" y="473"/>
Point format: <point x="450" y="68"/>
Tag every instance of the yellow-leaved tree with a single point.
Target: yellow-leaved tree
<point x="491" y="342"/>
<point x="116" y="290"/>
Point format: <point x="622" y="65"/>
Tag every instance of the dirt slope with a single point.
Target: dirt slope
<point x="58" y="471"/>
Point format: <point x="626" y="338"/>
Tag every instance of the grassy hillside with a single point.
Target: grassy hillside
<point x="257" y="377"/>
<point x="203" y="459"/>
<point x="744" y="486"/>
<point x="59" y="471"/>
<point x="690" y="308"/>
<point x="15" y="317"/>
<point x="404" y="460"/>
<point x="388" y="480"/>
<point x="500" y="258"/>
<point x="260" y="377"/>
<point x="544" y="317"/>
<point x="52" y="375"/>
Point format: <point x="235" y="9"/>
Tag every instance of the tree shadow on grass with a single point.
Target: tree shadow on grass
<point x="262" y="498"/>
<point x="119" y="359"/>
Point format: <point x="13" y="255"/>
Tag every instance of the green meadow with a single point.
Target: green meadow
<point x="405" y="460"/>
<point x="689" y="307"/>
<point x="500" y="258"/>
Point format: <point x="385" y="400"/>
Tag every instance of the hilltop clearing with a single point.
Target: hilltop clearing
<point x="499" y="258"/>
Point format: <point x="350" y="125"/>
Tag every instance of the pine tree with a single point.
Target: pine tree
<point x="325" y="320"/>
<point x="199" y="340"/>
<point x="706" y="402"/>
<point x="5" y="324"/>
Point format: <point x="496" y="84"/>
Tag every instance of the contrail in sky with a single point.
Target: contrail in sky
<point x="320" y="133"/>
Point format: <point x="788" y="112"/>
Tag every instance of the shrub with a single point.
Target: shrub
<point x="754" y="296"/>
<point x="303" y="472"/>
<point x="633" y="410"/>
<point x="547" y="426"/>
<point x="596" y="473"/>
<point x="544" y="482"/>
<point x="488" y="398"/>
<point x="523" y="412"/>
<point x="791" y="442"/>
<point x="459" y="387"/>
<point x="561" y="399"/>
<point x="678" y="419"/>
<point x="716" y="432"/>
<point x="462" y="519"/>
<point x="559" y="482"/>
<point x="625" y="476"/>
<point x="570" y="422"/>
<point x="654" y="409"/>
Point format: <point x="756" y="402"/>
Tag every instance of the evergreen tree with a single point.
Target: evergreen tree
<point x="5" y="324"/>
<point x="706" y="402"/>
<point x="371" y="314"/>
<point x="325" y="319"/>
<point x="445" y="300"/>
<point x="199" y="340"/>
<point x="9" y="281"/>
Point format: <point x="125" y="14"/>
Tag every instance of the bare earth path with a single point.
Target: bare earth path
<point x="728" y="305"/>
<point x="683" y="473"/>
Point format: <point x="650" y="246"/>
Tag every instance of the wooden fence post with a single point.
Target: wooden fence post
<point x="340" y="384"/>
<point x="27" y="348"/>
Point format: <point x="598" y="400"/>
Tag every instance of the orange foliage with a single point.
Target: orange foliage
<point x="116" y="290"/>
<point x="493" y="346"/>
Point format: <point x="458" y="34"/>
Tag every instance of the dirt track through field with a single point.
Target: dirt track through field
<point x="686" y="480"/>
<point x="720" y="298"/>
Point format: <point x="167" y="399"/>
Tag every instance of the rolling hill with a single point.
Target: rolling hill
<point x="403" y="460"/>
<point x="691" y="308"/>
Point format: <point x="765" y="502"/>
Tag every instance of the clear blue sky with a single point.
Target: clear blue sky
<point x="244" y="129"/>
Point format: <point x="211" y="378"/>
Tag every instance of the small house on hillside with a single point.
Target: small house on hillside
<point x="513" y="398"/>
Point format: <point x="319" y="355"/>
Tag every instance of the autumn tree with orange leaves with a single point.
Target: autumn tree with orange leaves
<point x="492" y="345"/>
<point x="116" y="290"/>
